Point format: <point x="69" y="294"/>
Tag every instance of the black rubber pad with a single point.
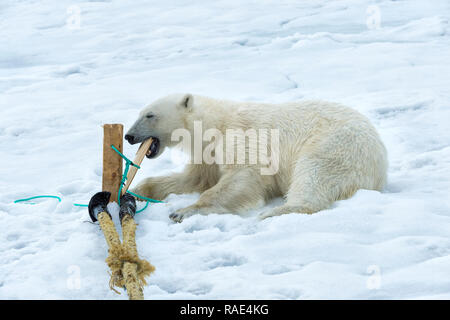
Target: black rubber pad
<point x="127" y="205"/>
<point x="98" y="203"/>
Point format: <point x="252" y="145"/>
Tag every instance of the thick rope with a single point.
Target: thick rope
<point x="134" y="272"/>
<point x="127" y="269"/>
<point x="113" y="241"/>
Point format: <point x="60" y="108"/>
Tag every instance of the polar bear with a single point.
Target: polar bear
<point x="325" y="152"/>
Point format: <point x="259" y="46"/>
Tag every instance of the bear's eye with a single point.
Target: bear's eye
<point x="149" y="116"/>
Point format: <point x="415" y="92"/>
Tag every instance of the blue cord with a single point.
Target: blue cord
<point x="37" y="197"/>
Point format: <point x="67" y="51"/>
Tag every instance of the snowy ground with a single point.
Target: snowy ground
<point x="60" y="81"/>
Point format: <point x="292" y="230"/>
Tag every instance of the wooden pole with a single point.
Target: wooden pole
<point x="112" y="162"/>
<point x="140" y="154"/>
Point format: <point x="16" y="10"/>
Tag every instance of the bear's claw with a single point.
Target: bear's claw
<point x="181" y="214"/>
<point x="176" y="217"/>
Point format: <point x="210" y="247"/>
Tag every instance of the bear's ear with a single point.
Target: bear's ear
<point x="187" y="101"/>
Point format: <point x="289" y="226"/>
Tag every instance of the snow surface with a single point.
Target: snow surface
<point x="60" y="83"/>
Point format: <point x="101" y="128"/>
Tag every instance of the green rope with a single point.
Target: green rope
<point x="128" y="163"/>
<point x="37" y="197"/>
<point x="77" y="204"/>
<point x="80" y="205"/>
<point x="146" y="205"/>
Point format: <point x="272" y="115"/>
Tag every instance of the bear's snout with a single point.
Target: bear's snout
<point x="130" y="138"/>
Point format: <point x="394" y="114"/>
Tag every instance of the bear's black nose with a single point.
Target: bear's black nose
<point x="129" y="138"/>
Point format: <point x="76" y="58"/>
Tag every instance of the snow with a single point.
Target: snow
<point x="60" y="81"/>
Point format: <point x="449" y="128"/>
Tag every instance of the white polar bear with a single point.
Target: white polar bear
<point x="326" y="152"/>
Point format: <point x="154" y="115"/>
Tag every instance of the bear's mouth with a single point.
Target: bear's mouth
<point x="153" y="149"/>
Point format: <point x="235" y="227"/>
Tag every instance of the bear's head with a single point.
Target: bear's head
<point x="158" y="120"/>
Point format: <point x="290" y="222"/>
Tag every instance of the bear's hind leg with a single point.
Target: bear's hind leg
<point x="314" y="186"/>
<point x="334" y="169"/>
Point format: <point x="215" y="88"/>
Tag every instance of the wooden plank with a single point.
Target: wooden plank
<point x="140" y="154"/>
<point x="112" y="162"/>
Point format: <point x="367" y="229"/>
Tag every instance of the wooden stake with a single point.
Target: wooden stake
<point x="112" y="162"/>
<point x="140" y="154"/>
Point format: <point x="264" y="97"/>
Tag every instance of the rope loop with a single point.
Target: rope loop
<point x="128" y="161"/>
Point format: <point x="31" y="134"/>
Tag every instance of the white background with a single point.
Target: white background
<point x="67" y="67"/>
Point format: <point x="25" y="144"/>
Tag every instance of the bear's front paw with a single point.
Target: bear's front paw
<point x="176" y="217"/>
<point x="180" y="214"/>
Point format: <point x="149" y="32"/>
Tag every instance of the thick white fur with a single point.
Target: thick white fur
<point x="327" y="152"/>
